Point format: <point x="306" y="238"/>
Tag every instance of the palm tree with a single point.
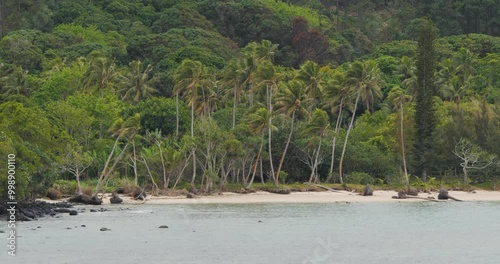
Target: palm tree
<point x="135" y="84"/>
<point x="317" y="127"/>
<point x="258" y="122"/>
<point x="234" y="76"/>
<point x="313" y="78"/>
<point x="406" y="71"/>
<point x="155" y="137"/>
<point x="267" y="77"/>
<point x="398" y="97"/>
<point x="290" y="101"/>
<point x="15" y="82"/>
<point x="364" y="79"/>
<point x="337" y="95"/>
<point x="102" y="73"/>
<point x="127" y="129"/>
<point x="190" y="78"/>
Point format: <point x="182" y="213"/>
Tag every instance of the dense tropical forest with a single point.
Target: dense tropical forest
<point x="169" y="94"/>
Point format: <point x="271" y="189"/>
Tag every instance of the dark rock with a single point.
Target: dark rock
<point x="62" y="210"/>
<point x="115" y="199"/>
<point x="163" y="226"/>
<point x="73" y="212"/>
<point x="83" y="226"/>
<point x="139" y="194"/>
<point x="280" y="191"/>
<point x="105" y="229"/>
<point x="1" y="231"/>
<point x="401" y="194"/>
<point x="412" y="192"/>
<point x="368" y="190"/>
<point x="85" y="199"/>
<point x="190" y="195"/>
<point x="443" y="194"/>
<point x="69" y="228"/>
<point x="38" y="227"/>
<point x="93" y="210"/>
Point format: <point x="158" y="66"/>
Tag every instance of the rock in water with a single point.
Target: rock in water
<point x="105" y="229"/>
<point x="163" y="226"/>
<point x="443" y="194"/>
<point x="368" y="190"/>
<point x="73" y="212"/>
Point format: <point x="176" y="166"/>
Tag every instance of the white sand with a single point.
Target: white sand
<point x="305" y="197"/>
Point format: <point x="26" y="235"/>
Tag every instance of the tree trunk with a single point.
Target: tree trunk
<point x="165" y="181"/>
<point x="154" y="188"/>
<point x="108" y="172"/>
<point x="315" y="164"/>
<point x="337" y="127"/>
<point x="77" y="174"/>
<point x="176" y="116"/>
<point x="235" y="102"/>
<point x="104" y="170"/>
<point x="346" y="138"/>
<point x="276" y="181"/>
<point x="256" y="162"/>
<point x="270" y="132"/>
<point x="194" y="167"/>
<point x="403" y="147"/>
<point x="134" y="163"/>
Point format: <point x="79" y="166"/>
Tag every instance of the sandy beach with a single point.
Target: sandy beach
<point x="304" y="197"/>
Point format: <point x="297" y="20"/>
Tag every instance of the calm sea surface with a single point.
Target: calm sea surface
<point x="414" y="232"/>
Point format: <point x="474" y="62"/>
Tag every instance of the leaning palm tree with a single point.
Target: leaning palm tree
<point x="258" y="122"/>
<point x="364" y="78"/>
<point x="290" y="101"/>
<point x="317" y="127"/>
<point x="127" y="129"/>
<point x="234" y="76"/>
<point x="135" y="84"/>
<point x="398" y="97"/>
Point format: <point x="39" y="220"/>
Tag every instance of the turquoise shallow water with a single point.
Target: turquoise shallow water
<point x="394" y="232"/>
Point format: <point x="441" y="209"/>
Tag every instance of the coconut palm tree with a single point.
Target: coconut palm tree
<point x="258" y="122"/>
<point x="364" y="78"/>
<point x="398" y="97"/>
<point x="317" y="127"/>
<point x="102" y="74"/>
<point x="290" y="101"/>
<point x="135" y="84"/>
<point x="127" y="129"/>
<point x="189" y="78"/>
<point x="313" y="78"/>
<point x="406" y="71"/>
<point x="337" y="94"/>
<point x="15" y="81"/>
<point x="234" y="76"/>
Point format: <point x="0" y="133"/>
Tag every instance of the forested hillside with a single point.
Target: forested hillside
<point x="218" y="94"/>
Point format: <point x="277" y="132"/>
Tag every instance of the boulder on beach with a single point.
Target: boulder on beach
<point x="368" y="190"/>
<point x="115" y="199"/>
<point x="443" y="194"/>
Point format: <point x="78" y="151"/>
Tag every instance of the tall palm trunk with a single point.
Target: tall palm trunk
<point x="403" y="148"/>
<point x="315" y="164"/>
<point x="165" y="180"/>
<point x="337" y="127"/>
<point x="192" y="136"/>
<point x="234" y="105"/>
<point x="270" y="132"/>
<point x="134" y="163"/>
<point x="256" y="163"/>
<point x="177" y="116"/>
<point x="347" y="137"/>
<point x="276" y="181"/>
<point x="105" y="173"/>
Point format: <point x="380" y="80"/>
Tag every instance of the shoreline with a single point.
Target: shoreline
<point x="298" y="197"/>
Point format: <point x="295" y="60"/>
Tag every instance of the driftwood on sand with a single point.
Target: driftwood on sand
<point x="327" y="188"/>
<point x="403" y="195"/>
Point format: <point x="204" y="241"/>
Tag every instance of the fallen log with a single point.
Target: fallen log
<point x="327" y="188"/>
<point x="85" y="199"/>
<point x="403" y="195"/>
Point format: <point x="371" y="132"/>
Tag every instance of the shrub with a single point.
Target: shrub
<point x="54" y="194"/>
<point x="359" y="178"/>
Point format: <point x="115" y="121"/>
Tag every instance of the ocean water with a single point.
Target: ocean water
<point x="392" y="232"/>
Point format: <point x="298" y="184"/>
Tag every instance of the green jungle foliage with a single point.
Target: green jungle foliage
<point x="218" y="94"/>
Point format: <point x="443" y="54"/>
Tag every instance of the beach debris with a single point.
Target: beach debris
<point x="403" y="195"/>
<point x="163" y="226"/>
<point x="368" y="190"/>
